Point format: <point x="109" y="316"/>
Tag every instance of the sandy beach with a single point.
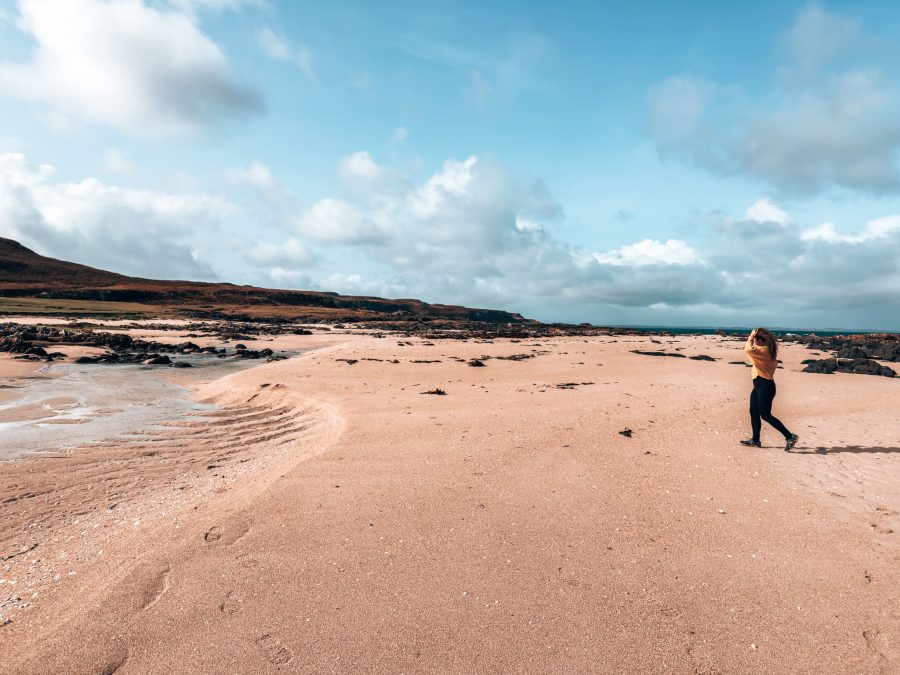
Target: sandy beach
<point x="328" y="514"/>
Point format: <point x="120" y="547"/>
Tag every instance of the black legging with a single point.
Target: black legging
<point x="761" y="407"/>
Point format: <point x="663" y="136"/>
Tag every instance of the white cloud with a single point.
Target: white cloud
<point x="335" y="221"/>
<point x="764" y="210"/>
<point x="277" y="49"/>
<point x="146" y="71"/>
<point x="258" y="176"/>
<point x="360" y="165"/>
<point x="139" y="232"/>
<point x="473" y="233"/>
<point x="115" y="162"/>
<point x="650" y="252"/>
<point x="879" y="228"/>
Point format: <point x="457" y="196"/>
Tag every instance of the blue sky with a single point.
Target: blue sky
<point x="653" y="163"/>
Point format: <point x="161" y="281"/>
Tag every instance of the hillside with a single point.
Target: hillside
<point x="26" y="274"/>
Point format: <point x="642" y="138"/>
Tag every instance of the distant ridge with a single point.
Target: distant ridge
<point x="26" y="274"/>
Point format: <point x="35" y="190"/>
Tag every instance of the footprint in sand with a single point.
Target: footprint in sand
<point x="114" y="663"/>
<point x="232" y="602"/>
<point x="273" y="650"/>
<point x="155" y="587"/>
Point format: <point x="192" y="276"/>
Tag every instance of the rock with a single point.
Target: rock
<point x="851" y="352"/>
<point x="701" y="357"/>
<point x="476" y="363"/>
<point x="181" y="364"/>
<point x="436" y="392"/>
<point x="240" y="347"/>
<point x="858" y="366"/>
<point x="157" y="360"/>
<point x="626" y="432"/>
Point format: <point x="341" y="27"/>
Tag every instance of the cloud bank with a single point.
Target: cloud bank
<point x="139" y="232"/>
<point x="145" y="70"/>
<point x="473" y="232"/>
<point x="828" y="121"/>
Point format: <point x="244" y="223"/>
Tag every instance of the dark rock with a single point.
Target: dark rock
<point x="701" y="357"/>
<point x="626" y="432"/>
<point x="646" y="353"/>
<point x="823" y="366"/>
<point x="851" y="352"/>
<point x="157" y="360"/>
<point x="476" y="363"/>
<point x="181" y="364"/>
<point x="436" y="392"/>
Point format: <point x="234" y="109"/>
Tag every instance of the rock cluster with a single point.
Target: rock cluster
<point x="880" y="347"/>
<point x="121" y="348"/>
<point x="860" y="366"/>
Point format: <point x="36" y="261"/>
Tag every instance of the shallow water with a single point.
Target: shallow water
<point x="70" y="405"/>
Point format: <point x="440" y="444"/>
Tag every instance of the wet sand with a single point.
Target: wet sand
<point x="331" y="517"/>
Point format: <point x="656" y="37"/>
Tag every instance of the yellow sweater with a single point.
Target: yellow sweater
<point x="763" y="363"/>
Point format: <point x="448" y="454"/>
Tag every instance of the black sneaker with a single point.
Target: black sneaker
<point x="791" y="442"/>
<point x="749" y="442"/>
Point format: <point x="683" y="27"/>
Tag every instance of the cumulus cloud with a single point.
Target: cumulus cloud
<point x="827" y="121"/>
<point x="258" y="176"/>
<point x="475" y="233"/>
<point x="334" y="221"/>
<point x="144" y="70"/>
<point x="139" y="232"/>
<point x="880" y="228"/>
<point x="360" y="165"/>
<point x="278" y="49"/>
<point x="766" y="211"/>
<point x="650" y="252"/>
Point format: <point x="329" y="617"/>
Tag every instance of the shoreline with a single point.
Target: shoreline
<point x="509" y="512"/>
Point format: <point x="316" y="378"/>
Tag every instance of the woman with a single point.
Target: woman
<point x="762" y="350"/>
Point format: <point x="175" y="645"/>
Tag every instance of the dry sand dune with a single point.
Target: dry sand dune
<point x="331" y="517"/>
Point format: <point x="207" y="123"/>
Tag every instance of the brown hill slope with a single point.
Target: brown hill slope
<point x="26" y="274"/>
